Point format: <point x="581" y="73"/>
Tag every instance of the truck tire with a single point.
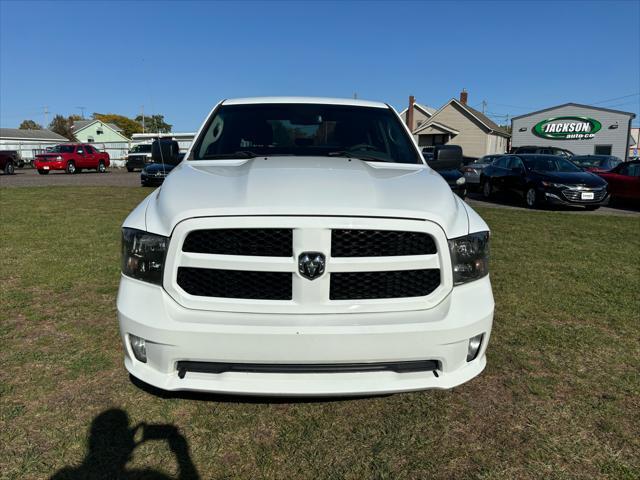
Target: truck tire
<point x="71" y="167"/>
<point x="20" y="163"/>
<point x="101" y="167"/>
<point x="129" y="169"/>
<point x="43" y="172"/>
<point x="9" y="169"/>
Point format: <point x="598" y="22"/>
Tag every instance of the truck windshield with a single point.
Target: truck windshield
<point x="146" y="148"/>
<point x="242" y="131"/>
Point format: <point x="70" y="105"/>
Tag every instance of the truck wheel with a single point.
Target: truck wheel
<point x="71" y="168"/>
<point x="129" y="169"/>
<point x="20" y="163"/>
<point x="43" y="172"/>
<point x="101" y="167"/>
<point x="9" y="169"/>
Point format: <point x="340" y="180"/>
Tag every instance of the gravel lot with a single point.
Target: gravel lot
<point x="119" y="177"/>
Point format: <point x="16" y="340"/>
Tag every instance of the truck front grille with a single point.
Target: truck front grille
<point x="380" y="243"/>
<point x="264" y="242"/>
<point x="256" y="264"/>
<point x="390" y="284"/>
<point x="208" y="282"/>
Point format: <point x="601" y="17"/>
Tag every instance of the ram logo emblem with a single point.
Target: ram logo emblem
<point x="311" y="265"/>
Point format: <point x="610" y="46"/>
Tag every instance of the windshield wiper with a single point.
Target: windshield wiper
<point x="238" y="154"/>
<point x="359" y="156"/>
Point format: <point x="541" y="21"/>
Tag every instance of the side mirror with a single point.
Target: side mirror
<point x="165" y="151"/>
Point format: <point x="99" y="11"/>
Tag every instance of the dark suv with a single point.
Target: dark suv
<point x="543" y="151"/>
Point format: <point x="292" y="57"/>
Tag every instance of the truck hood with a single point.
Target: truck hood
<point x="323" y="186"/>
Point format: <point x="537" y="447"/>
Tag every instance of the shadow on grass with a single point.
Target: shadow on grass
<point x="254" y="399"/>
<point x="111" y="445"/>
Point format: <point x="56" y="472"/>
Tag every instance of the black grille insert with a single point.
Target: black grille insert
<point x="264" y="242"/>
<point x="380" y="243"/>
<point x="220" y="367"/>
<point x="207" y="282"/>
<point x="393" y="284"/>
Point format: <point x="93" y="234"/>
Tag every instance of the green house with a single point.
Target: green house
<point x="97" y="131"/>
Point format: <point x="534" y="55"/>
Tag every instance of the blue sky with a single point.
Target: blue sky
<point x="180" y="58"/>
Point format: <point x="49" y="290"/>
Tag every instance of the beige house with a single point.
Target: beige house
<point x="459" y="124"/>
<point x="421" y="113"/>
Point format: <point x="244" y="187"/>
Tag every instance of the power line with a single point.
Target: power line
<point x="620" y="104"/>
<point x="615" y="98"/>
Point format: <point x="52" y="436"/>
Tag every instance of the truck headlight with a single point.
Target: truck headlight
<point x="143" y="255"/>
<point x="469" y="257"/>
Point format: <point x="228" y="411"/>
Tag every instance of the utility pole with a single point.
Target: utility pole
<point x="142" y="113"/>
<point x="484" y="106"/>
<point x="355" y="95"/>
<point x="82" y="109"/>
<point x="46" y="116"/>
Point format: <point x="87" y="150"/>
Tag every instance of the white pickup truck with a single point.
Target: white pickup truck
<point x="304" y="247"/>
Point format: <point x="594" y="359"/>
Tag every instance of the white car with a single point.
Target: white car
<point x="304" y="247"/>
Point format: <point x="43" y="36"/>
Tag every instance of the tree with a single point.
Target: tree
<point x="30" y="125"/>
<point x="154" y="124"/>
<point x="62" y="126"/>
<point x="128" y="125"/>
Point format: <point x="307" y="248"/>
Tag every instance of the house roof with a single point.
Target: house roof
<point x="443" y="127"/>
<point x="428" y="111"/>
<point x="18" y="134"/>
<point x="479" y="116"/>
<point x="570" y="104"/>
<point x="82" y="124"/>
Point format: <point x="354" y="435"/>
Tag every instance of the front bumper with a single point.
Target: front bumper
<point x="460" y="190"/>
<point x="555" y="197"/>
<point x="174" y="333"/>
<point x="151" y="180"/>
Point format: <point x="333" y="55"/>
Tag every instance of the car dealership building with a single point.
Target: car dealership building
<point x="582" y="129"/>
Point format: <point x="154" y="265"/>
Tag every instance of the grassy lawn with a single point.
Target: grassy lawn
<point x="560" y="397"/>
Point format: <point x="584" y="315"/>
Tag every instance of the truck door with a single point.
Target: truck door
<point x="90" y="157"/>
<point x="81" y="160"/>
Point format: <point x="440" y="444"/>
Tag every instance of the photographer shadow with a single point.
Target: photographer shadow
<point x="111" y="445"/>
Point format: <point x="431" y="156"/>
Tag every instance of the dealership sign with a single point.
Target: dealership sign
<point x="567" y="128"/>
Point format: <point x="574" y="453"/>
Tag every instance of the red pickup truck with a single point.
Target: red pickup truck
<point x="72" y="158"/>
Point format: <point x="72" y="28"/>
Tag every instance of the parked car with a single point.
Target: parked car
<point x="447" y="160"/>
<point x="304" y="248"/>
<point x="155" y="173"/>
<point x="543" y="151"/>
<point x="72" y="158"/>
<point x="138" y="157"/>
<point x="473" y="170"/>
<point x="9" y="159"/>
<point x="624" y="181"/>
<point x="544" y="179"/>
<point x="596" y="163"/>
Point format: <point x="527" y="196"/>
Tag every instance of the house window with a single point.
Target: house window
<point x="99" y="131"/>
<point x="90" y="140"/>
<point x="602" y="150"/>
